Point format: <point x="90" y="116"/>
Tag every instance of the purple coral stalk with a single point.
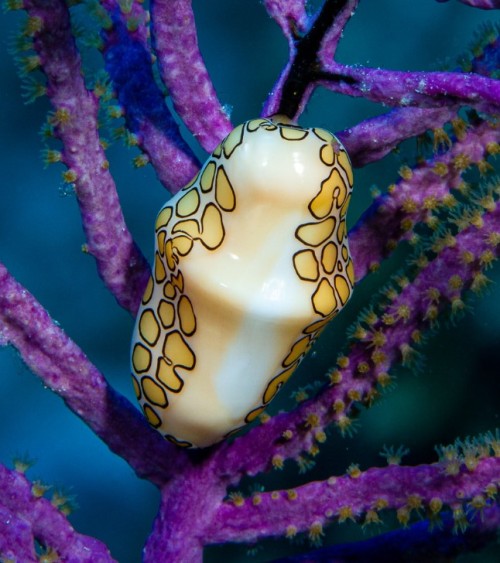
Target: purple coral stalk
<point x="192" y="92"/>
<point x="119" y="261"/>
<point x="25" y="516"/>
<point x="128" y="60"/>
<point x="300" y="509"/>
<point x="63" y="367"/>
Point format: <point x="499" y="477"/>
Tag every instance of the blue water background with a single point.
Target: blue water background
<point x="41" y="238"/>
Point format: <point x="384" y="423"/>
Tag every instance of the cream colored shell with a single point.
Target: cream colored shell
<point x="251" y="262"/>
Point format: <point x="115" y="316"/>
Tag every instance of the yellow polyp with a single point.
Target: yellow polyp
<point x="493" y="238"/>
<point x="292" y="494"/>
<point x="455" y="282"/>
<point x="378" y="357"/>
<point x="406" y="225"/>
<point x="440" y="168"/>
<point x="378" y="338"/>
<point x="60" y="117"/>
<point x="338" y="406"/>
<point x="461" y="162"/>
<point x="34" y="25"/>
<point x="343" y="362"/>
<point x="404" y="312"/>
<point x="354" y="471"/>
<point x="287" y="434"/>
<point x="346" y="513"/>
<point x="441" y="139"/>
<point x="50" y="556"/>
<point x="372" y="517"/>
<point x="315" y="532"/>
<point x="38" y="489"/>
<point x="313" y="450"/>
<point x="344" y="423"/>
<point x="433" y="294"/>
<point x="460" y="519"/>
<point x="409" y="205"/>
<point x="354" y="395"/>
<point x="264" y="417"/>
<point x="237" y="499"/>
<point x="384" y="379"/>
<point x="301" y="395"/>
<point x="256" y="499"/>
<point x="416" y="336"/>
<point x="459" y="128"/>
<point x="491" y="490"/>
<point x="291" y="531"/>
<point x="335" y="376"/>
<point x="69" y="176"/>
<point x="405" y="172"/>
<point x="388" y="319"/>
<point x="493" y="148"/>
<point x="478" y="502"/>
<point x="488" y="202"/>
<point x="487" y="258"/>
<point x="275" y="495"/>
<point x="484" y="167"/>
<point x="278" y="461"/>
<point x="435" y="505"/>
<point x="312" y="420"/>
<point x="414" y="502"/>
<point x="479" y="282"/>
<point x="320" y="436"/>
<point x="407" y="354"/>
<point x="381" y="503"/>
<point x="403" y="516"/>
<point x="140" y="160"/>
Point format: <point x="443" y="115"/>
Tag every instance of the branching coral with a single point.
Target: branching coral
<point x="441" y="213"/>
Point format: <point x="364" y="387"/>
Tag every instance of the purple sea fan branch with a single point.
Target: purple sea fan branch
<point x="129" y="63"/>
<point x="421" y="189"/>
<point x="481" y="4"/>
<point x="422" y="89"/>
<point x="296" y="83"/>
<point x="119" y="262"/>
<point x="373" y="138"/>
<point x="290" y="15"/>
<point x="63" y="367"/>
<point x="26" y="517"/>
<point x="194" y="97"/>
<point x="315" y="504"/>
<point x="423" y="540"/>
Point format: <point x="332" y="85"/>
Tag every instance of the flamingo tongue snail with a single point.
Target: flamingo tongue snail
<point x="251" y="262"/>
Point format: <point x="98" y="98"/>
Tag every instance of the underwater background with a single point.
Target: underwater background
<point x="456" y="390"/>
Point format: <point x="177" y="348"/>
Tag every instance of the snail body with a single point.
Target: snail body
<point x="251" y="262"/>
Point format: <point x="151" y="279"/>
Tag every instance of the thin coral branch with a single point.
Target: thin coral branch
<point x="28" y="517"/>
<point x="129" y="63"/>
<point x="290" y="15"/>
<point x="394" y="487"/>
<point x="295" y="84"/>
<point x="420" y="542"/>
<point x="119" y="262"/>
<point x="184" y="73"/>
<point x="422" y="89"/>
<point x="63" y="367"/>
<point x="372" y="139"/>
<point x="420" y="190"/>
<point x="16" y="538"/>
<point x="333" y="35"/>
